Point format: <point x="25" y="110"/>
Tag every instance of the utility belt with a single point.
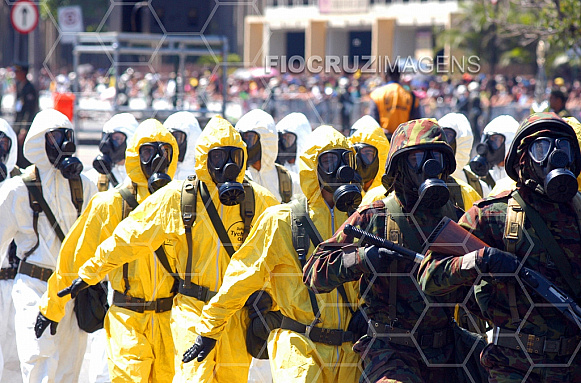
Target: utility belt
<point x="536" y="345"/>
<point x="201" y="293"/>
<point x="34" y="271"/>
<point x="323" y="335"/>
<point x="140" y="305"/>
<point x="436" y="339"/>
<point x="7" y="273"/>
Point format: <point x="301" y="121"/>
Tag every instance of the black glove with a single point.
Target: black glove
<point x="261" y="327"/>
<point x="379" y="258"/>
<point x="74" y="289"/>
<point x="492" y="260"/>
<point x="358" y="324"/>
<point x="200" y="349"/>
<point x="42" y="323"/>
<point x="258" y="304"/>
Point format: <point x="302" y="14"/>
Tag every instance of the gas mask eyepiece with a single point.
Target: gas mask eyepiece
<point x="253" y="146"/>
<point x="287" y="148"/>
<point x="224" y="165"/>
<point x="551" y="159"/>
<point x="181" y="138"/>
<point x="336" y="172"/>
<point x="155" y="158"/>
<point x="60" y="147"/>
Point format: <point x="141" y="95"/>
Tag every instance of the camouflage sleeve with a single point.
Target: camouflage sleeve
<point x="338" y="259"/>
<point x="440" y="274"/>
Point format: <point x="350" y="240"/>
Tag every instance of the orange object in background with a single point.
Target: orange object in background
<point x="65" y="103"/>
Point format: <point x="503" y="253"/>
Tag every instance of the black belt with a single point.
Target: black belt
<point x="7" y="273"/>
<point x="141" y="305"/>
<point x="436" y="339"/>
<point x="534" y="344"/>
<point x="201" y="293"/>
<point x="317" y="334"/>
<point x="34" y="271"/>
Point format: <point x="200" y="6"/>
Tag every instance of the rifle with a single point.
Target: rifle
<point x="448" y="229"/>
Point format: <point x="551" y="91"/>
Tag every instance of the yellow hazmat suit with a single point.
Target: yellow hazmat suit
<point x="374" y="136"/>
<point x="268" y="261"/>
<point x="140" y="345"/>
<point x="157" y="221"/>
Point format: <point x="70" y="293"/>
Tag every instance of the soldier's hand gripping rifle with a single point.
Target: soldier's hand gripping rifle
<point x="450" y="238"/>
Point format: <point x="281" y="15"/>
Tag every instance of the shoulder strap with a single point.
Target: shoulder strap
<point x="513" y="226"/>
<point x="35" y="194"/>
<point x="188" y="205"/>
<point x="36" y="209"/>
<point x="412" y="238"/>
<point x="473" y="181"/>
<point x="16" y="171"/>
<point x="285" y="185"/>
<point x="489" y="180"/>
<point x="216" y="221"/>
<point x="102" y="183"/>
<point x="550" y="244"/>
<point x="76" y="186"/>
<point x="455" y="192"/>
<point x="247" y="208"/>
<point x="128" y="194"/>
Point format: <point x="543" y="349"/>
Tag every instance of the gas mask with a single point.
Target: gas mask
<point x="490" y="152"/>
<point x="287" y="148"/>
<point x="224" y="165"/>
<point x="423" y="168"/>
<point x="5" y="145"/>
<point x="60" y="147"/>
<point x="550" y="160"/>
<point x="112" y="147"/>
<point x="335" y="169"/>
<point x="253" y="147"/>
<point x="181" y="138"/>
<point x="367" y="161"/>
<point x="155" y="158"/>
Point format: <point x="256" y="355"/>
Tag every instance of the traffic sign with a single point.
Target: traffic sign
<point x="24" y="16"/>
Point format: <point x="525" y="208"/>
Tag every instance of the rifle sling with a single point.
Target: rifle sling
<point x="216" y="221"/>
<point x="550" y="244"/>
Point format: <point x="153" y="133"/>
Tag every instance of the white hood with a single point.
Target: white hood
<point x="126" y="124"/>
<point x="507" y="126"/>
<point x="464" y="139"/>
<point x="262" y="123"/>
<point x="11" y="159"/>
<point x="298" y="124"/>
<point x="187" y="123"/>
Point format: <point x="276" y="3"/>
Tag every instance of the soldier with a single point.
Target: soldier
<point x="418" y="162"/>
<point x="536" y="226"/>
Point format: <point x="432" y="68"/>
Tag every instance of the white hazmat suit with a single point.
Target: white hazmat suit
<point x="187" y="123"/>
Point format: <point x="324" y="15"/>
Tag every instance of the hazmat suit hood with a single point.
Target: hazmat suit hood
<point x="149" y="130"/>
<point x="11" y="159"/>
<point x="372" y="134"/>
<point x="34" y="145"/>
<point x="298" y="124"/>
<point x="126" y="124"/>
<point x="576" y="125"/>
<point x="218" y="132"/>
<point x="424" y="133"/>
<point x="187" y="123"/>
<point x="262" y="123"/>
<point x="364" y="122"/>
<point x="323" y="138"/>
<point x="464" y="139"/>
<point x="507" y="126"/>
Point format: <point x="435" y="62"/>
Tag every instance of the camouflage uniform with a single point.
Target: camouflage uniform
<point x="441" y="274"/>
<point x="327" y="269"/>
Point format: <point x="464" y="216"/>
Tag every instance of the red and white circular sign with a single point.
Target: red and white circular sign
<point x="24" y="16"/>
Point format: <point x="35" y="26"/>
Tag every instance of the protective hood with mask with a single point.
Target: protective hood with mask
<point x="117" y="132"/>
<point x="293" y="131"/>
<point x="364" y="122"/>
<point x="329" y="163"/>
<point x="371" y="147"/>
<point x="156" y="158"/>
<point x="458" y="130"/>
<point x="221" y="160"/>
<point x="259" y="133"/>
<point x="545" y="157"/>
<point x="419" y="161"/>
<point x="186" y="129"/>
<point x="496" y="139"/>
<point x="8" y="150"/>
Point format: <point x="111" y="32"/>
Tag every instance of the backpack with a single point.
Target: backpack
<point x="90" y="304"/>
